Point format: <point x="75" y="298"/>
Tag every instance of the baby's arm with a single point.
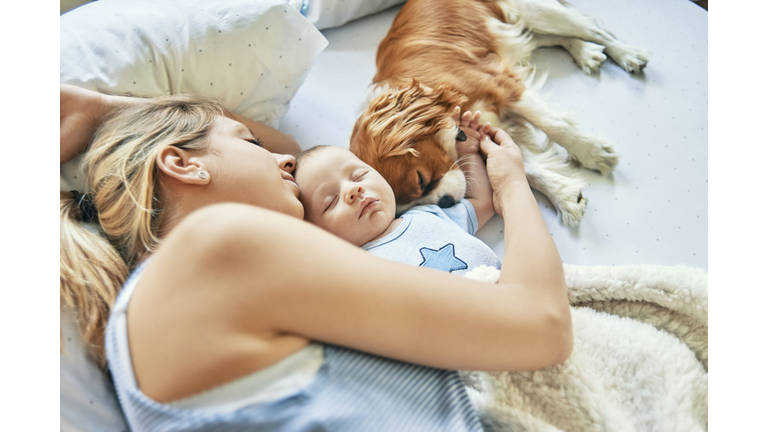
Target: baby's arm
<point x="479" y="191"/>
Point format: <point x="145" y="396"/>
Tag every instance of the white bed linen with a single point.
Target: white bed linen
<point x="653" y="209"/>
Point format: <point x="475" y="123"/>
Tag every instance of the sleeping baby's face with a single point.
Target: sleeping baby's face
<point x="344" y="196"/>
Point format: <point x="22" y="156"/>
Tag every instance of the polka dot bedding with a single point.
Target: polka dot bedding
<point x="653" y="208"/>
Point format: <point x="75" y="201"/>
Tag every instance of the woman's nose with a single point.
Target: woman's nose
<point x="286" y="163"/>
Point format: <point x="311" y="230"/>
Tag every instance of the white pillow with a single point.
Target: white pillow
<point x="252" y="55"/>
<point x="333" y="13"/>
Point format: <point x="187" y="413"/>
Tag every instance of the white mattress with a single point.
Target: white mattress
<point x="653" y="208"/>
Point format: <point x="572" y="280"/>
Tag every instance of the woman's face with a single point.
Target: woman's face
<point x="244" y="172"/>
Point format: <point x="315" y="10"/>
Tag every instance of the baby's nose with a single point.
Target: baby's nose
<point x="356" y="192"/>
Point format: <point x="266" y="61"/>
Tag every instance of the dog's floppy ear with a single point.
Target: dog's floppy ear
<point x="394" y="120"/>
<point x="360" y="145"/>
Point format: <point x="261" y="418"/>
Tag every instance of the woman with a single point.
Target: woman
<point x="239" y="314"/>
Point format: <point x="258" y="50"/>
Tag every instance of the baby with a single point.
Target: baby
<point x="348" y="198"/>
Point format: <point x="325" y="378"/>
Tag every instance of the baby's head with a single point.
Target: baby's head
<point x="343" y="195"/>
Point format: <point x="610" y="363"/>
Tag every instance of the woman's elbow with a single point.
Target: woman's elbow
<point x="561" y="331"/>
<point x="553" y="336"/>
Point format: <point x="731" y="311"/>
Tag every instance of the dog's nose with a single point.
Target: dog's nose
<point x="446" y="201"/>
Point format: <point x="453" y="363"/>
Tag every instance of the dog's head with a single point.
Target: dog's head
<point x="408" y="135"/>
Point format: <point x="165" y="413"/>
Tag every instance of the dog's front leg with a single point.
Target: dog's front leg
<point x="563" y="190"/>
<point x="549" y="174"/>
<point x="591" y="152"/>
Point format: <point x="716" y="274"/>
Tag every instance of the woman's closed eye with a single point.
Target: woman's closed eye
<point x="255" y="141"/>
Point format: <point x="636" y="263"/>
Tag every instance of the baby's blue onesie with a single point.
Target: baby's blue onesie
<point x="443" y="239"/>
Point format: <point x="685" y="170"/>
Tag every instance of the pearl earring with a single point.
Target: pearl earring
<point x="203" y="175"/>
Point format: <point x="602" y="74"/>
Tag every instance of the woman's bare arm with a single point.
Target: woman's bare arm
<point x="256" y="272"/>
<point x="531" y="258"/>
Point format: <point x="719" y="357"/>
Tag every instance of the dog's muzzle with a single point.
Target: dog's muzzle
<point x="446" y="201"/>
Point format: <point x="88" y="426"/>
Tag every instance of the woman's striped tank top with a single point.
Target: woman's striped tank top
<point x="351" y="391"/>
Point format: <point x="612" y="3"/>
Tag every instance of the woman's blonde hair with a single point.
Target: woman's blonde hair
<point x="122" y="173"/>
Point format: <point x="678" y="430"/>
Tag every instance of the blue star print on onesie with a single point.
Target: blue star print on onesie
<point x="442" y="259"/>
<point x="438" y="238"/>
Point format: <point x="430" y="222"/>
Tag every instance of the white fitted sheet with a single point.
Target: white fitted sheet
<point x="653" y="208"/>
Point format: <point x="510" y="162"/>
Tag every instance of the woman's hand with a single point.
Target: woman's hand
<point x="504" y="164"/>
<point x="81" y="112"/>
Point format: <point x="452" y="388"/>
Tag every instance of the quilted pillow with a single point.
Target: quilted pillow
<point x="251" y="55"/>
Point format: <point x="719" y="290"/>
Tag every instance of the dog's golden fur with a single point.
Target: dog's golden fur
<point x="439" y="55"/>
<point x="447" y="42"/>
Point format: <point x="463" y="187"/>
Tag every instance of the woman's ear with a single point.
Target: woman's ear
<point x="178" y="164"/>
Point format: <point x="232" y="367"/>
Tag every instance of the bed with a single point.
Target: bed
<point x="651" y="210"/>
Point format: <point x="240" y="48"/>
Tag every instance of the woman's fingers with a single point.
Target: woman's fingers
<point x="486" y="128"/>
<point x="487" y="145"/>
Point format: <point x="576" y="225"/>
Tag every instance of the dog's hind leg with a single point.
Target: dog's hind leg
<point x="589" y="151"/>
<point x="589" y="56"/>
<point x="551" y="17"/>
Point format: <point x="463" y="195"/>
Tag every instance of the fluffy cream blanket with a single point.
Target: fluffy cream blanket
<point x="639" y="361"/>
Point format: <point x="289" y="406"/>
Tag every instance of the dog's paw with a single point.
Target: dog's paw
<point x="595" y="154"/>
<point x="632" y="59"/>
<point x="589" y="57"/>
<point x="571" y="209"/>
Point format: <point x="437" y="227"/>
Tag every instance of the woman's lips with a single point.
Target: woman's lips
<point x="368" y="205"/>
<point x="289" y="179"/>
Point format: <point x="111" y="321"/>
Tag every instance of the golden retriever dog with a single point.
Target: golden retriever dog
<point x="440" y="54"/>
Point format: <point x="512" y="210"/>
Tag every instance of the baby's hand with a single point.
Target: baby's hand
<point x="470" y="124"/>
